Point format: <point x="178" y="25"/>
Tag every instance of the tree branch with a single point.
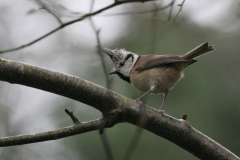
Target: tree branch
<point x="180" y="9"/>
<point x="141" y="12"/>
<point x="52" y="135"/>
<point x="100" y="52"/>
<point x="116" y="3"/>
<point x="49" y="10"/>
<point x="115" y="109"/>
<point x="71" y="115"/>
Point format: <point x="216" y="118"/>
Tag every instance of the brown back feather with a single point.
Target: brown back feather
<point x="178" y="62"/>
<point x="150" y="61"/>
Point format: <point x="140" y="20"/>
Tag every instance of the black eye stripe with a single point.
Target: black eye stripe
<point x="128" y="56"/>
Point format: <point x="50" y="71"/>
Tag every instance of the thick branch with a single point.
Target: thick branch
<point x="114" y="107"/>
<point x="58" y="83"/>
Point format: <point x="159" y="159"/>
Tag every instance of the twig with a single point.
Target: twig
<point x="181" y="5"/>
<point x="28" y="44"/>
<point x="135" y="138"/>
<point x="140" y="12"/>
<point x="49" y="10"/>
<point x="75" y="14"/>
<point x="116" y="3"/>
<point x="74" y="119"/>
<point x="100" y="53"/>
<point x="133" y="144"/>
<point x="103" y="136"/>
<point x="106" y="145"/>
<point x="153" y="33"/>
<point x="170" y="12"/>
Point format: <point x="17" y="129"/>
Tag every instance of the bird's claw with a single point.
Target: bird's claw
<point x="138" y="100"/>
<point x="163" y="111"/>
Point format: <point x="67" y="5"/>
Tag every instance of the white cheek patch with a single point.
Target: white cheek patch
<point x="129" y="63"/>
<point x="126" y="69"/>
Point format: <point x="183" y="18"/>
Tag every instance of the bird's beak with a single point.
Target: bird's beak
<point x="113" y="72"/>
<point x="109" y="52"/>
<point x="113" y="56"/>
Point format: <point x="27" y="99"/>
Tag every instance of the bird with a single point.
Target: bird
<point x="152" y="73"/>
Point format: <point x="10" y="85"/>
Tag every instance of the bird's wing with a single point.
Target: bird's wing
<point x="151" y="61"/>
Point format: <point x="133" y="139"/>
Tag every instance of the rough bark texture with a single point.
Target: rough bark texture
<point x="52" y="135"/>
<point x="115" y="108"/>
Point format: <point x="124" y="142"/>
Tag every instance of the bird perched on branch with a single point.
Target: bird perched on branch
<point x="153" y="73"/>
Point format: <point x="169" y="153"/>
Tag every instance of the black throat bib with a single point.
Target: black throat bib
<point x="125" y="78"/>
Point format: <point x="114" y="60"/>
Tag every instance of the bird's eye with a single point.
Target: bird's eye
<point x="122" y="63"/>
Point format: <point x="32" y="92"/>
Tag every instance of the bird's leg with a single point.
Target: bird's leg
<point x="164" y="99"/>
<point x="139" y="99"/>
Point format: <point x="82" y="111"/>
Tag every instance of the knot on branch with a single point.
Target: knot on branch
<point x="112" y="117"/>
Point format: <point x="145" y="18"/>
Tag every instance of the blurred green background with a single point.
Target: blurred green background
<point x="209" y="93"/>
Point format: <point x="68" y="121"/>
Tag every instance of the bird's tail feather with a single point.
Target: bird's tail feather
<point x="198" y="51"/>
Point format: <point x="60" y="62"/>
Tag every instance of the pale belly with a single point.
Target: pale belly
<point x="162" y="79"/>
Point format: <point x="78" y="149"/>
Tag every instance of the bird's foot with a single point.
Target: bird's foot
<point x="138" y="100"/>
<point x="161" y="110"/>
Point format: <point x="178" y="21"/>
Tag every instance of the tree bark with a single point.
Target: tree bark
<point x="115" y="109"/>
